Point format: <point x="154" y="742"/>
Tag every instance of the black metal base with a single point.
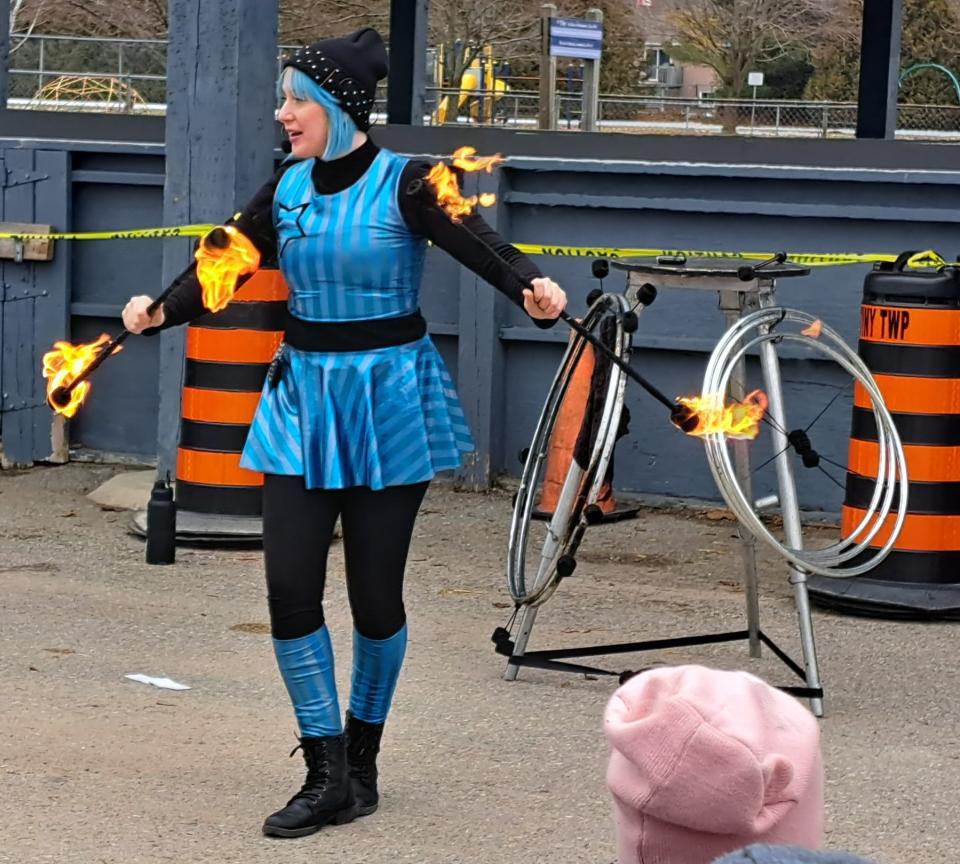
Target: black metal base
<point x="552" y="659"/>
<point x="209" y="529"/>
<point x="617" y="515"/>
<point x="876" y="598"/>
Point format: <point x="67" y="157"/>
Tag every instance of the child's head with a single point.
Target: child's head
<point x="704" y="762"/>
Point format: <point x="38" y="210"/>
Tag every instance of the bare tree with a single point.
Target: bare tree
<point x="24" y="19"/>
<point x="304" y="21"/>
<point x="135" y="19"/>
<point x="511" y="26"/>
<point x="735" y="36"/>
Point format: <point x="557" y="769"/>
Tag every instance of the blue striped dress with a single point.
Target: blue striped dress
<point x="369" y="418"/>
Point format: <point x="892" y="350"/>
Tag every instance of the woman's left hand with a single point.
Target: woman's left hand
<point x="545" y="299"/>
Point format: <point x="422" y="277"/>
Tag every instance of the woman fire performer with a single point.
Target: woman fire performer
<point x="359" y="412"/>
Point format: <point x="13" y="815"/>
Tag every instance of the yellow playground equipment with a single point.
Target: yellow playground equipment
<point x="480" y="90"/>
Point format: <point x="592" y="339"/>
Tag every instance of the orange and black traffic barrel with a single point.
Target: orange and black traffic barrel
<point x="573" y="436"/>
<point x="910" y="341"/>
<point x="227" y="357"/>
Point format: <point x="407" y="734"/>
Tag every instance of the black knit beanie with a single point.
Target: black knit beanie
<point x="347" y="67"/>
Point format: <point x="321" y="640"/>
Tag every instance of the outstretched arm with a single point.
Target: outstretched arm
<point x="477" y="246"/>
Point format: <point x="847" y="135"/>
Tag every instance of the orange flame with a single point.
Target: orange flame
<point x="814" y="330"/>
<point x="219" y="269"/>
<point x="64" y="363"/>
<point x="447" y="187"/>
<point x="740" y="420"/>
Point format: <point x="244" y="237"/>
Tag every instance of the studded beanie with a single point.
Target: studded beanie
<point x="347" y="67"/>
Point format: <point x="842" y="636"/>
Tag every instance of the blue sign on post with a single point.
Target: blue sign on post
<point x="575" y="37"/>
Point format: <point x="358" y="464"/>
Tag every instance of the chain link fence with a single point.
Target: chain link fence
<point x="139" y="66"/>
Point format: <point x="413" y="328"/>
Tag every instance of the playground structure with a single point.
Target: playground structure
<point x="88" y="92"/>
<point x="480" y="90"/>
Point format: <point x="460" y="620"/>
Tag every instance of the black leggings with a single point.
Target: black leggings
<point x="297" y="529"/>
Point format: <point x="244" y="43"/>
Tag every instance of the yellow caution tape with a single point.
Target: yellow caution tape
<point x="131" y="234"/>
<point x="928" y="258"/>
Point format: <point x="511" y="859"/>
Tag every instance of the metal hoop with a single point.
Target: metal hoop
<point x="766" y="323"/>
<point x="581" y="485"/>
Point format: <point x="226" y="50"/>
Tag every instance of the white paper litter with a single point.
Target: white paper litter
<point x="165" y="683"/>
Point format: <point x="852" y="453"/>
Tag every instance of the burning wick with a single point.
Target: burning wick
<point x="447" y="187"/>
<point x="684" y="418"/>
<point x="65" y="364"/>
<point x="224" y="255"/>
<point x="707" y="415"/>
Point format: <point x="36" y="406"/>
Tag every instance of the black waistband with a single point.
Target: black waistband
<point x="365" y="335"/>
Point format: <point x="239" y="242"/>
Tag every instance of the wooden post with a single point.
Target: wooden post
<point x="879" y="69"/>
<point x="408" y="62"/>
<point x="548" y="71"/>
<point x="591" y="83"/>
<point x="4" y="52"/>
<point x="222" y="65"/>
<point x="480" y="356"/>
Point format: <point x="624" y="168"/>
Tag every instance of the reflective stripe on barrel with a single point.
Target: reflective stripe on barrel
<point x="227" y="357"/>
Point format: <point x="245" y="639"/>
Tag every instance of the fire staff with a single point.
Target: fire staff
<point x="359" y="412"/>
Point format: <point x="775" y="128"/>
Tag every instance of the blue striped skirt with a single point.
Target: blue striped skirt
<point x="373" y="418"/>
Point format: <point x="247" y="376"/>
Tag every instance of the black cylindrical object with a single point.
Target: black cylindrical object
<point x="910" y="341"/>
<point x="161" y="525"/>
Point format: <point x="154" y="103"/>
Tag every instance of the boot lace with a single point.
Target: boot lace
<point x="318" y="771"/>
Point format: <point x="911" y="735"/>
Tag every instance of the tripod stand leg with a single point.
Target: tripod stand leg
<point x="527" y="617"/>
<point x="732" y="304"/>
<point x="790" y="510"/>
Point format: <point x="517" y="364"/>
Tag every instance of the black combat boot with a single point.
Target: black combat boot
<point x="363" y="745"/>
<point x="325" y="796"/>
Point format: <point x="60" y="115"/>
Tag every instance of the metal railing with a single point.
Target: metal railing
<point x="671" y="116"/>
<point x="139" y="65"/>
<point x="38" y="60"/>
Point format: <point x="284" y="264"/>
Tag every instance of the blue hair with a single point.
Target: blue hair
<point x="340" y="125"/>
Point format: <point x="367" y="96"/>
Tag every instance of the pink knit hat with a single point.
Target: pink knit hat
<point x="704" y="762"/>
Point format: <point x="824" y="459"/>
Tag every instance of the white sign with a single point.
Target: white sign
<point x="576" y="37"/>
<point x="755" y="79"/>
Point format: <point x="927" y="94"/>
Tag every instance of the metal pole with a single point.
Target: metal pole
<point x="789" y="506"/>
<point x="879" y="65"/>
<point x="733" y="304"/>
<point x="591" y="83"/>
<point x="408" y="62"/>
<point x="527" y="616"/>
<point x="548" y="71"/>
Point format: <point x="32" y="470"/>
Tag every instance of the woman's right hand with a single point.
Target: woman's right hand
<point x="135" y="317"/>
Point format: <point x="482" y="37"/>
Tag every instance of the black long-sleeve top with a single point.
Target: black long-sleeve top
<point x="492" y="259"/>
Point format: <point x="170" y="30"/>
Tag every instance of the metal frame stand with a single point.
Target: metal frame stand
<point x="737" y="299"/>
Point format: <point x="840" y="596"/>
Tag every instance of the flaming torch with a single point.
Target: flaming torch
<point x="740" y="420"/>
<point x="63" y="366"/>
<point x="222" y="257"/>
<point x="447" y="187"/>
